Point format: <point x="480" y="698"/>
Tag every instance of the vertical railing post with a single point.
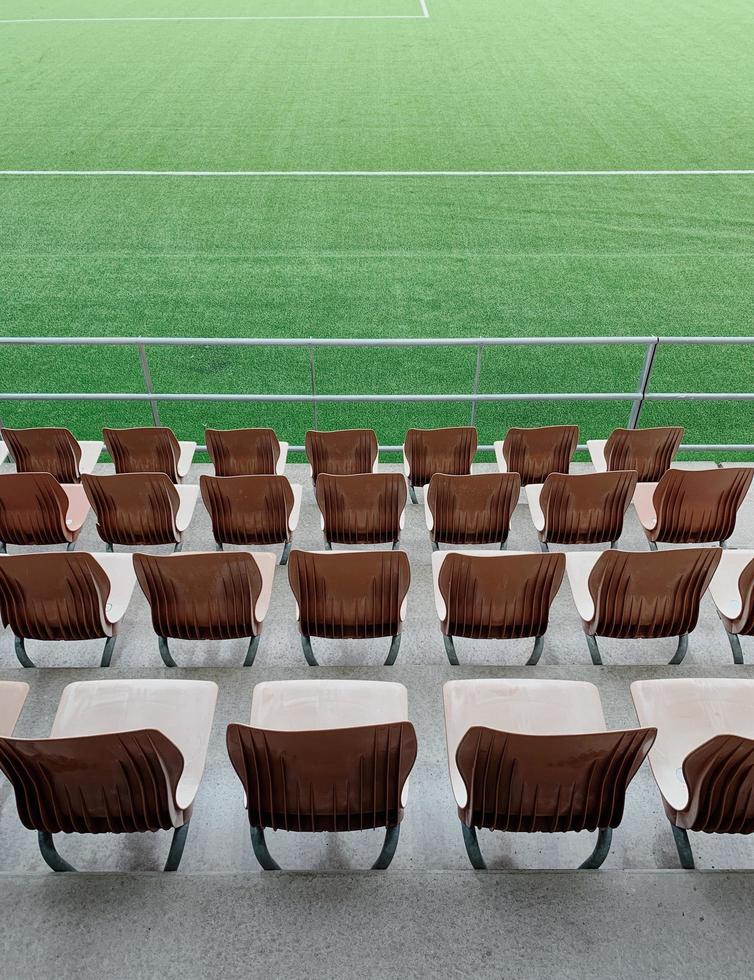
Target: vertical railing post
<point x="477" y="376"/>
<point x="147" y="374"/>
<point x="313" y="378"/>
<point x="646" y="374"/>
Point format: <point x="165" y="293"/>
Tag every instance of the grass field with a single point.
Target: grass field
<point x="375" y="85"/>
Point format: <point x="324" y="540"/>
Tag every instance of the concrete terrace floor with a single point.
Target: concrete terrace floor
<point x="430" y="914"/>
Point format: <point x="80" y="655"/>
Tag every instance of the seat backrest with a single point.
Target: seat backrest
<point x="720" y="778"/>
<point x="648" y="451"/>
<point x="343" y="452"/>
<point x="550" y="783"/>
<point x="208" y="596"/>
<point x="248" y="509"/>
<point x="33" y="508"/>
<point x="536" y="453"/>
<point x="699" y="505"/>
<point x="647" y="595"/>
<point x="121" y="782"/>
<point x="134" y="508"/>
<point x="586" y="508"/>
<point x="44" y="450"/>
<point x="472" y="509"/>
<point x="327" y="780"/>
<point x="151" y="449"/>
<point x="349" y="594"/>
<point x="499" y="596"/>
<point x="54" y="596"/>
<point x="362" y="509"/>
<point x="243" y="452"/>
<point x="430" y="451"/>
<point x="744" y="622"/>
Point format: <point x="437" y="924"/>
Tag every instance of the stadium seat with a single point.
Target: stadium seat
<point x="325" y="756"/>
<point x="151" y="449"/>
<point x="486" y="596"/>
<point x="648" y="451"/>
<point x="584" y="509"/>
<point x="529" y="756"/>
<point x="246" y="452"/>
<point x="636" y="595"/>
<point x="12" y="697"/>
<point x="474" y="509"/>
<point x="37" y="510"/>
<point x="350" y="595"/>
<point x="536" y="453"/>
<point x="692" y="506"/>
<point x="430" y="451"/>
<point x="368" y="508"/>
<point x="60" y="596"/>
<point x="732" y="590"/>
<point x="3" y="452"/>
<point x="207" y="596"/>
<point x="252" y="510"/>
<point x="703" y="759"/>
<point x="123" y="757"/>
<point x="139" y="509"/>
<point x="51" y="450"/>
<point x="341" y="453"/>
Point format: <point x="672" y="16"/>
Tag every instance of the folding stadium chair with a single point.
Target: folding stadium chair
<point x="207" y="596"/>
<point x="486" y="596"/>
<point x="529" y="756"/>
<point x="37" y="510"/>
<point x="246" y="452"/>
<point x="640" y="595"/>
<point x="151" y="449"/>
<point x="648" y="451"/>
<point x="51" y="450"/>
<point x="474" y="509"/>
<point x="123" y="757"/>
<point x="692" y="506"/>
<point x="252" y="510"/>
<point x="536" y="453"/>
<point x="325" y="756"/>
<point x="344" y="452"/>
<point x="584" y="509"/>
<point x="369" y="508"/>
<point x="350" y="595"/>
<point x="138" y="509"/>
<point x="60" y="596"/>
<point x="12" y="697"/>
<point x="430" y="451"/>
<point x="703" y="759"/>
<point x="732" y="591"/>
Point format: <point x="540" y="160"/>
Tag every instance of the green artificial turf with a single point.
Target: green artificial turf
<point x="592" y="84"/>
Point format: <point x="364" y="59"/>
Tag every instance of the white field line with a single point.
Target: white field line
<point x="423" y="5"/>
<point x="377" y="173"/>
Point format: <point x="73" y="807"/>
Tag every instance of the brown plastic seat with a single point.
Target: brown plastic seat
<point x="732" y="591"/>
<point x="325" y="756"/>
<point x="252" y="510"/>
<point x="584" y="509"/>
<point x="368" y="508"/>
<point x="430" y="451"/>
<point x="207" y="596"/>
<point x="350" y="595"/>
<point x="636" y="595"/>
<point x="648" y="451"/>
<point x="51" y="450"/>
<point x="36" y="510"/>
<point x="486" y="596"/>
<point x="474" y="509"/>
<point x="123" y="757"/>
<point x="536" y="453"/>
<point x="344" y="452"/>
<point x="692" y="506"/>
<point x="535" y="756"/>
<point x="61" y="596"/>
<point x="140" y="509"/>
<point x="149" y="449"/>
<point x="246" y="452"/>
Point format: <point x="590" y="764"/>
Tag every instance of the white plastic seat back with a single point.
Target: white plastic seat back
<point x="724" y="588"/>
<point x="119" y="568"/>
<point x="12" y="697"/>
<point x="291" y="706"/>
<point x="579" y="565"/>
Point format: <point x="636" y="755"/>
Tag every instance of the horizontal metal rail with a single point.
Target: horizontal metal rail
<point x="554" y="396"/>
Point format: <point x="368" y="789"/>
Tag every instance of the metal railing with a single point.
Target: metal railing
<point x="638" y="397"/>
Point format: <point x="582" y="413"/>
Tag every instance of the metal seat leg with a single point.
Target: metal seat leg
<point x="450" y="649"/>
<point x="176" y="847"/>
<point x="162" y="644"/>
<point x="412" y="493"/>
<point x="735" y="646"/>
<point x="685" y="854"/>
<point x="306" y="646"/>
<point x="680" y="653"/>
<point x="252" y="651"/>
<point x="23" y="658"/>
<point x="286" y="552"/>
<point x="536" y="653"/>
<point x="594" y="650"/>
<point x="601" y="849"/>
<point x="261" y="851"/>
<point x="50" y="855"/>
<point x="389" y="845"/>
<point x="472" y="848"/>
<point x="395" y="645"/>
<point x="107" y="653"/>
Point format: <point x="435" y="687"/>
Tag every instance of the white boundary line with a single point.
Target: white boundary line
<point x="376" y="173"/>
